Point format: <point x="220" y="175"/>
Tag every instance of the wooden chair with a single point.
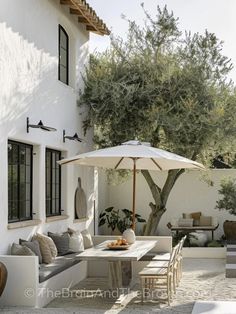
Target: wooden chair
<point x="179" y="260"/>
<point x="159" y="278"/>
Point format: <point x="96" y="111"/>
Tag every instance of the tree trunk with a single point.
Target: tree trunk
<point x="160" y="197"/>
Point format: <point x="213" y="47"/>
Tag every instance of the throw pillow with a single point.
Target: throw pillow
<point x="185" y="222"/>
<point x="205" y="221"/>
<point x="88" y="242"/>
<point x="17" y="249"/>
<point x="76" y="242"/>
<point x="33" y="246"/>
<point x="196" y="215"/>
<point x="72" y="231"/>
<point x="61" y="242"/>
<point x="186" y="216"/>
<point x="47" y="247"/>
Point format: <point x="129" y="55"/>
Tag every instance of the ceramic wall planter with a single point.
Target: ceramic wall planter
<point x="3" y="277"/>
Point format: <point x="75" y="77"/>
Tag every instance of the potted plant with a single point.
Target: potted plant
<point x="118" y="220"/>
<point x="228" y="202"/>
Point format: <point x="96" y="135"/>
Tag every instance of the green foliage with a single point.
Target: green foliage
<point x="165" y="87"/>
<point x="228" y="191"/>
<point x="161" y="86"/>
<point x="120" y="219"/>
<point x="215" y="243"/>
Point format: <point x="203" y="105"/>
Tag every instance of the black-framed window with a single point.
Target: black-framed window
<point x="53" y="183"/>
<point x="63" y="64"/>
<point x="20" y="173"/>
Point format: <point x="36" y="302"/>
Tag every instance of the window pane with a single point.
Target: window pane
<point x="19" y="191"/>
<point x="9" y="153"/>
<point x="22" y="173"/>
<point x="22" y="209"/>
<point x="14" y="210"/>
<point x="28" y="156"/>
<point x="22" y="191"/>
<point x="22" y="155"/>
<point x="53" y="206"/>
<point x="63" y="57"/>
<point x="27" y="192"/>
<point x="27" y="209"/>
<point x="52" y="182"/>
<point x="63" y="74"/>
<point x="14" y="154"/>
<point x="28" y="174"/>
<point x="63" y="39"/>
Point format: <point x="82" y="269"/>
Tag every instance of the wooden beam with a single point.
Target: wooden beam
<point x="86" y="15"/>
<point x="83" y="20"/>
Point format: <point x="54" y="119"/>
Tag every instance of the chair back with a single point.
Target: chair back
<point x="182" y="244"/>
<point x="173" y="255"/>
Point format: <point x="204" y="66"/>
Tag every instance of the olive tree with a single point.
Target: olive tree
<point x="165" y="87"/>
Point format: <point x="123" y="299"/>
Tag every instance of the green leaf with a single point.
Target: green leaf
<point x="109" y="209"/>
<point x="102" y="222"/>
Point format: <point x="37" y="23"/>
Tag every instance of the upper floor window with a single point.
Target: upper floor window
<point x="19" y="181"/>
<point x="53" y="183"/>
<point x="63" y="64"/>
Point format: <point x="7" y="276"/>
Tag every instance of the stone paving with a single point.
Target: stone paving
<point x="203" y="279"/>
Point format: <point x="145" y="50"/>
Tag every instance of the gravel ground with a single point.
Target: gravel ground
<point x="203" y="279"/>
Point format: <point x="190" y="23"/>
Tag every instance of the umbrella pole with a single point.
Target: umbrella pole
<point x="134" y="194"/>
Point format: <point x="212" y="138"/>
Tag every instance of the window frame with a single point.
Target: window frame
<point x="19" y="219"/>
<point x="59" y="212"/>
<point x="61" y="29"/>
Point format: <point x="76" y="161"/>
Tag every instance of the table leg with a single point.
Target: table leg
<point x="120" y="274"/>
<point x="115" y="275"/>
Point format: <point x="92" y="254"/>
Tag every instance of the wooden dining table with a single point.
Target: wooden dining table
<point x="119" y="261"/>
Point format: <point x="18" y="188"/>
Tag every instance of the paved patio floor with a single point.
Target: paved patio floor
<point x="203" y="279"/>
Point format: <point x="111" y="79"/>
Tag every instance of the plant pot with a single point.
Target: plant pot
<point x="230" y="230"/>
<point x="3" y="277"/>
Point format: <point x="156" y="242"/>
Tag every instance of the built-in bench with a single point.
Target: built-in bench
<point x="32" y="285"/>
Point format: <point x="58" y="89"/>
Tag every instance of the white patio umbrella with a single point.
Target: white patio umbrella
<point x="135" y="156"/>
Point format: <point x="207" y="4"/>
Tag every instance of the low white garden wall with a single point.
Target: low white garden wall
<point x="189" y="194"/>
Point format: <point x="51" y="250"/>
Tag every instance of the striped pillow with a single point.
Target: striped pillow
<point x="47" y="247"/>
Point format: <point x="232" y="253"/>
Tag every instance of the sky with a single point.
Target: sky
<point x="217" y="16"/>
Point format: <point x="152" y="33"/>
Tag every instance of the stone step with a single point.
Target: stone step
<point x="231" y="246"/>
<point x="230" y="270"/>
<point x="231" y="259"/>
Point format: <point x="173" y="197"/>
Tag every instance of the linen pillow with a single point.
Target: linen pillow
<point x="186" y="216"/>
<point x="33" y="246"/>
<point x="47" y="247"/>
<point x="76" y="242"/>
<point x="17" y="249"/>
<point x="205" y="221"/>
<point x="61" y="241"/>
<point x="196" y="215"/>
<point x="185" y="222"/>
<point x="88" y="242"/>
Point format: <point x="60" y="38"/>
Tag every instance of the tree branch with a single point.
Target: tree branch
<point x="172" y="177"/>
<point x="155" y="189"/>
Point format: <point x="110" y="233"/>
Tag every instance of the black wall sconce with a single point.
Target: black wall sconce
<point x="40" y="125"/>
<point x="75" y="137"/>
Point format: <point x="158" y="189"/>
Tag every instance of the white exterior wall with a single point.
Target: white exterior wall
<point x="29" y="87"/>
<point x="189" y="194"/>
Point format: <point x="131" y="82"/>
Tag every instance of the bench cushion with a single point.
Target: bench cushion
<point x="59" y="264"/>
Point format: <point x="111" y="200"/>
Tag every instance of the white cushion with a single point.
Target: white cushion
<point x="76" y="242"/>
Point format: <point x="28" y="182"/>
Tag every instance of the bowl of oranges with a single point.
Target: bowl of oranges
<point x="119" y="244"/>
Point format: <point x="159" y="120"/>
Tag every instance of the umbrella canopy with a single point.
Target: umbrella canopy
<point x="133" y="155"/>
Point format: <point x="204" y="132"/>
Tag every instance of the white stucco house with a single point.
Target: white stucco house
<point x="43" y="49"/>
